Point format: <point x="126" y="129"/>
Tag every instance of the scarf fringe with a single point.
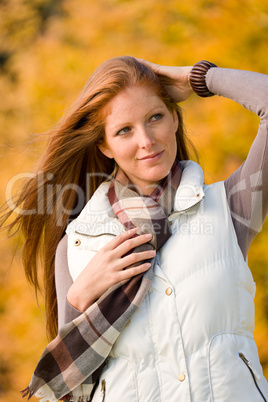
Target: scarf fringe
<point x="27" y="392"/>
<point x="83" y="393"/>
<point x="45" y="393"/>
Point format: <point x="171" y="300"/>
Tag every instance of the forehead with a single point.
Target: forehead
<point x="132" y="100"/>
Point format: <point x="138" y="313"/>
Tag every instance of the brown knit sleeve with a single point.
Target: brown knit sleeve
<point x="247" y="187"/>
<point x="63" y="279"/>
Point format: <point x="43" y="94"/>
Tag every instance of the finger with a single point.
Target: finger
<point x="129" y="273"/>
<point x="155" y="67"/>
<point x="143" y="61"/>
<point x="112" y="244"/>
<point x="134" y="258"/>
<point x="167" y="73"/>
<point x="131" y="243"/>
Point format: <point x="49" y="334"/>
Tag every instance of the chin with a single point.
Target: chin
<point x="160" y="172"/>
<point x="156" y="178"/>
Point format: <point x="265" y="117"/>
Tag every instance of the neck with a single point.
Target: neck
<point x="151" y="189"/>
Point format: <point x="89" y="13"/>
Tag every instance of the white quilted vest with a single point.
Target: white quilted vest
<point x="191" y="339"/>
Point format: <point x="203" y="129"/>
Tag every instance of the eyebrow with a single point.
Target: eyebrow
<point x="125" y="123"/>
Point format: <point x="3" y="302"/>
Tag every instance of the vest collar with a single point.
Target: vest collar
<point x="190" y="191"/>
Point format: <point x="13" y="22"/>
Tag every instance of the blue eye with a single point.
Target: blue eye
<point x="156" y="117"/>
<point x="124" y="130"/>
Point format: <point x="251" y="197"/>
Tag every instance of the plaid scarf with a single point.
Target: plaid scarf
<point x="71" y="364"/>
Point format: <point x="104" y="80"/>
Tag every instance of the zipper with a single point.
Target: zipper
<point x="103" y="389"/>
<point x="98" y="235"/>
<point x="253" y="372"/>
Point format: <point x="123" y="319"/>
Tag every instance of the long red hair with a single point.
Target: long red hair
<point x="73" y="167"/>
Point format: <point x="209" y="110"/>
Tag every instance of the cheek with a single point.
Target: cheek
<point x="172" y="144"/>
<point x="124" y="153"/>
<point x="170" y="138"/>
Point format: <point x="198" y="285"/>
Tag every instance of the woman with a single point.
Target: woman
<point x="150" y="307"/>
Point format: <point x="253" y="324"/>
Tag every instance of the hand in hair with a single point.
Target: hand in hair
<point x="175" y="79"/>
<point x="108" y="268"/>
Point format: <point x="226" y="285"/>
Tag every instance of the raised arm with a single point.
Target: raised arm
<point x="247" y="187"/>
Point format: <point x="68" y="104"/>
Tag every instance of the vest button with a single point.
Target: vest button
<point x="168" y="291"/>
<point x="181" y="377"/>
<point x="77" y="242"/>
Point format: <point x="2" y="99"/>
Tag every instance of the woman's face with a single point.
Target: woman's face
<point x="140" y="136"/>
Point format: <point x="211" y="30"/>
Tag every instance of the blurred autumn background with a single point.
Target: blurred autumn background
<point x="48" y="48"/>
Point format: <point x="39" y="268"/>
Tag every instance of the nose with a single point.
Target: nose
<point x="145" y="138"/>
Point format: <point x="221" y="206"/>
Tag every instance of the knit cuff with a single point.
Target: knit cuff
<point x="197" y="78"/>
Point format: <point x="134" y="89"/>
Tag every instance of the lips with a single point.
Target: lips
<point x="152" y="156"/>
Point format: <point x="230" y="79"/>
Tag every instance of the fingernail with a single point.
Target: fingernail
<point x="152" y="252"/>
<point x="147" y="265"/>
<point x="148" y="236"/>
